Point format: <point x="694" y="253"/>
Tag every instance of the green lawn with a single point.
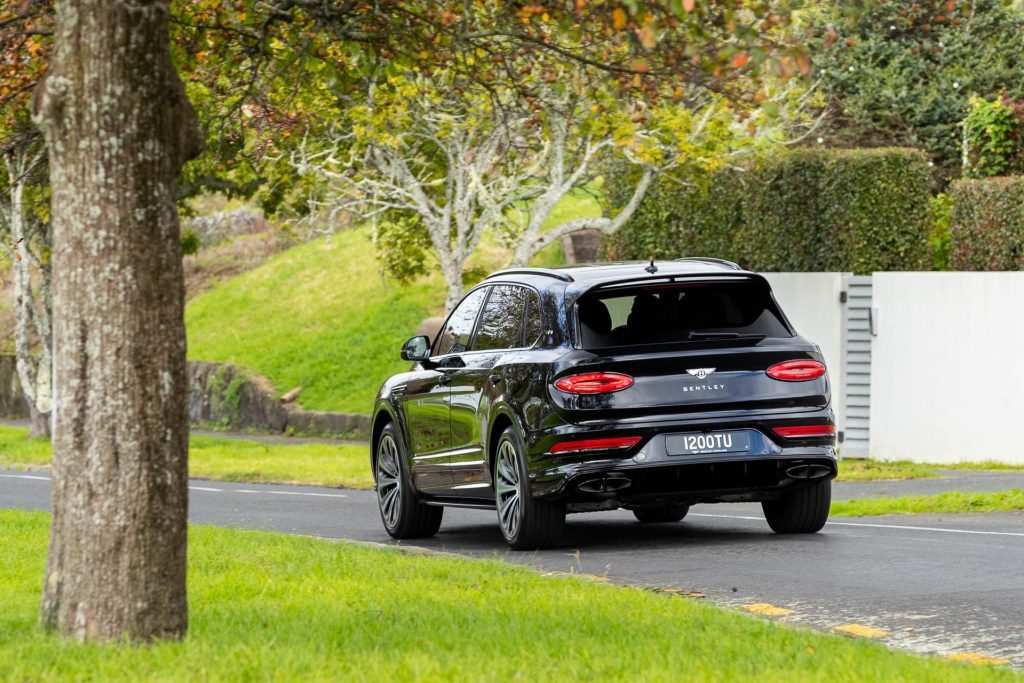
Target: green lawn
<point x="271" y="607"/>
<point x="942" y="502"/>
<point x="233" y="460"/>
<point x="321" y="315"/>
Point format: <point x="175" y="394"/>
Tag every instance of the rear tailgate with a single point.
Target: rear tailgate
<point x="689" y="346"/>
<point x="692" y="381"/>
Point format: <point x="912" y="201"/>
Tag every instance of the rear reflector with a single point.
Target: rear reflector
<point x="805" y="431"/>
<point x="796" y="370"/>
<point x="594" y="383"/>
<point x="609" y="444"/>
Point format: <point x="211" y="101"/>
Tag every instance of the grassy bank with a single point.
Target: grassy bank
<point x="319" y="316"/>
<point x="233" y="460"/>
<point x="272" y="607"/>
<point x="323" y="316"/>
<point x="952" y="502"/>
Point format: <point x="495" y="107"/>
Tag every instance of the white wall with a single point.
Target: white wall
<point x="947" y="371"/>
<point x="811" y="302"/>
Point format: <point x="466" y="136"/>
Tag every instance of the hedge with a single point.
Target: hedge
<point x="987" y="228"/>
<point x="803" y="210"/>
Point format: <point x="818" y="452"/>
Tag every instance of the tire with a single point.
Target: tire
<point x="525" y="522"/>
<point x="402" y="514"/>
<point x="661" y="513"/>
<point x="800" y="511"/>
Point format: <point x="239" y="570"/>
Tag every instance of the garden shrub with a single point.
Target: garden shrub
<point x="987" y="228"/>
<point x="803" y="210"/>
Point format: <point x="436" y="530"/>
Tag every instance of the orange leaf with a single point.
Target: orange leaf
<point x="688" y="5"/>
<point x="740" y="60"/>
<point x="618" y="18"/>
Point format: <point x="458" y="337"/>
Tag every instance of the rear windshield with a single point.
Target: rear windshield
<point x="673" y="313"/>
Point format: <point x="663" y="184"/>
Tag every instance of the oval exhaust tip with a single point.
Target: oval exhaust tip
<point x="808" y="471"/>
<point x="606" y="484"/>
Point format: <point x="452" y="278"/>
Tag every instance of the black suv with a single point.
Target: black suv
<point x="645" y="386"/>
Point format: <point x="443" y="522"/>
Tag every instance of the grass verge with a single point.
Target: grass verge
<point x="878" y="470"/>
<point x="954" y="501"/>
<point x="272" y="607"/>
<point x="233" y="460"/>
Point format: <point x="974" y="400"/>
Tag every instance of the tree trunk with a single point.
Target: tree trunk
<point x="38" y="423"/>
<point x="118" y="128"/>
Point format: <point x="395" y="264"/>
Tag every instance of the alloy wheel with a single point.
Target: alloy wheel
<point x="389" y="481"/>
<point x="506" y="488"/>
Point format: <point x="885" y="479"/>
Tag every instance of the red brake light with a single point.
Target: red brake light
<point x="594" y="383"/>
<point x="796" y="370"/>
<point x="805" y="431"/>
<point x="608" y="444"/>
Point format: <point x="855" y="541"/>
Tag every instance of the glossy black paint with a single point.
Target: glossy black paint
<point x="451" y="407"/>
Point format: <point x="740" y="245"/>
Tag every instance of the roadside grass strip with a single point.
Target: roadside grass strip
<point x="232" y="460"/>
<point x="950" y="502"/>
<point x="857" y="469"/>
<point x="876" y="470"/>
<point x="272" y="607"/>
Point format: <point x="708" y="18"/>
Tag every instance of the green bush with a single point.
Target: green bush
<point x="803" y="210"/>
<point x="189" y="243"/>
<point x="939" y="239"/>
<point x="993" y="143"/>
<point x="987" y="229"/>
<point x="901" y="72"/>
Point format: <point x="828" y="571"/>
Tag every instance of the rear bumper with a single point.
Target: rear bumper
<point x="646" y="474"/>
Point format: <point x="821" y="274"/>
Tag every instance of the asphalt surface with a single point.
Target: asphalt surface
<point x="936" y="584"/>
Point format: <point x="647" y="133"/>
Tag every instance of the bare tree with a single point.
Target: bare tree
<point x="466" y="163"/>
<point x="32" y="331"/>
<point x="118" y="128"/>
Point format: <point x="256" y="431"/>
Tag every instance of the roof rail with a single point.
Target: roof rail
<point x="708" y="259"/>
<point x="546" y="272"/>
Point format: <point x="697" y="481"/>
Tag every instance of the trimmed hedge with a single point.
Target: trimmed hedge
<point x="804" y="210"/>
<point x="988" y="224"/>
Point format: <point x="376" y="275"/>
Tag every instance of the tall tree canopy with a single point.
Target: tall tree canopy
<point x="902" y="72"/>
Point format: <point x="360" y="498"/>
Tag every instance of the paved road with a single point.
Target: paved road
<point x="932" y="583"/>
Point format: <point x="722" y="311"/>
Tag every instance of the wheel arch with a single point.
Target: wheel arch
<point x="383" y="417"/>
<point x="502" y="419"/>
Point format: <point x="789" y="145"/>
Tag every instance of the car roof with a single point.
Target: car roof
<point x="599" y="273"/>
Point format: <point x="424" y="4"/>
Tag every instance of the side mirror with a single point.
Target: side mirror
<point x="416" y="349"/>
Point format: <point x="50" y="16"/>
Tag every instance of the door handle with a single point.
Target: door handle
<point x="445" y="379"/>
<point x="496" y="379"/>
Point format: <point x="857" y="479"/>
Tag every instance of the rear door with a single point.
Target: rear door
<point x="499" y="331"/>
<point x="689" y="347"/>
<point x="427" y="398"/>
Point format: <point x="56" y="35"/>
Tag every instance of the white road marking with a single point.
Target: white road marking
<point x="210" y="489"/>
<point x="881" y="526"/>
<point x="289" y="493"/>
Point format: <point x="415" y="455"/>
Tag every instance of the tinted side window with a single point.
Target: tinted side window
<point x="454" y="338"/>
<point x="501" y="324"/>
<point x="533" y="325"/>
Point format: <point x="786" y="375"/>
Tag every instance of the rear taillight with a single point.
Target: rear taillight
<point x="805" y="431"/>
<point x="594" y="383"/>
<point x="796" y="370"/>
<point x="607" y="444"/>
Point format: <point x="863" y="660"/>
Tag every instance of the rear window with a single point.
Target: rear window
<point x="673" y="313"/>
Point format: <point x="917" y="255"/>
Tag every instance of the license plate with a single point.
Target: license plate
<point x="708" y="443"/>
